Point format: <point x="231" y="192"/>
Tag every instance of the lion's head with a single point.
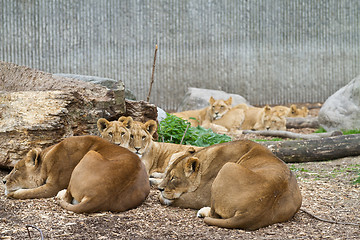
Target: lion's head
<point x="274" y="120"/>
<point x="141" y="136"/>
<point x="218" y="108"/>
<point x="26" y="173"/>
<point x="181" y="177"/>
<point x="116" y="131"/>
<point x="298" y="112"/>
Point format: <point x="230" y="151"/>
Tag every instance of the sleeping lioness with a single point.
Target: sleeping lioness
<point x="115" y="181"/>
<point x="43" y="173"/>
<point x="246" y="185"/>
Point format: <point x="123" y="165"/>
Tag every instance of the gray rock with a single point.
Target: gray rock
<point x="341" y="111"/>
<point x="197" y="98"/>
<point x="161" y="114"/>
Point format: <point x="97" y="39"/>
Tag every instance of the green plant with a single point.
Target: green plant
<point x="172" y="130"/>
<point x="320" y="130"/>
<point x="345" y="132"/>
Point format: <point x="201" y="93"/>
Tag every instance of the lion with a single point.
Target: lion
<point x="115" y="131"/>
<point x="115" y="181"/>
<point x="243" y="182"/>
<point x="291" y="111"/>
<point x="215" y="110"/>
<point x="296" y="112"/>
<point x="154" y="155"/>
<point x="43" y="173"/>
<point x="231" y="121"/>
<point x="254" y="118"/>
<point x="274" y="121"/>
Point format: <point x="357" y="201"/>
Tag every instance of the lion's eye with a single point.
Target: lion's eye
<point x="131" y="136"/>
<point x="172" y="178"/>
<point x="110" y="134"/>
<point x="143" y="137"/>
<point x="123" y="133"/>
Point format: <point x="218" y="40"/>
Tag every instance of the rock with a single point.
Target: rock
<point x="161" y="114"/>
<point x="341" y="111"/>
<point x="38" y="109"/>
<point x="197" y="98"/>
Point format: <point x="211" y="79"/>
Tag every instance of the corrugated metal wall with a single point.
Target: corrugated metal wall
<point x="269" y="51"/>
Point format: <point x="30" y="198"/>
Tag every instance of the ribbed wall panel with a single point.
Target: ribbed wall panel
<point x="270" y="52"/>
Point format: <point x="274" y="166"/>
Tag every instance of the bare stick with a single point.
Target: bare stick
<point x="182" y="139"/>
<point x="152" y="75"/>
<point x="41" y="234"/>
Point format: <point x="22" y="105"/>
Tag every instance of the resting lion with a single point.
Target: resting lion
<point x="215" y="110"/>
<point x="291" y="111"/>
<point x="113" y="180"/>
<point x="154" y="155"/>
<point x="246" y="185"/>
<point x="115" y="131"/>
<point x="43" y="173"/>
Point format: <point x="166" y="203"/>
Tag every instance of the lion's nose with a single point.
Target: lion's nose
<point x="4" y="181"/>
<point x="137" y="149"/>
<point x="160" y="188"/>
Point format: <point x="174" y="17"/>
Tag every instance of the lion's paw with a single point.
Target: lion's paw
<point x="61" y="194"/>
<point x="204" y="212"/>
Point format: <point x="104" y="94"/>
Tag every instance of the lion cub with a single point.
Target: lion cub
<point x="116" y="132"/>
<point x="154" y="155"/>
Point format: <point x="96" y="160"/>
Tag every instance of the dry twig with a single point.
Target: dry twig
<point x="152" y="75"/>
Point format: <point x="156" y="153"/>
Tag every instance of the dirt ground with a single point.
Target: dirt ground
<point x="327" y="189"/>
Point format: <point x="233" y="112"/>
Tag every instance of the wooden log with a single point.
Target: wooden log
<point x="302" y="122"/>
<point x="323" y="149"/>
<point x="287" y="134"/>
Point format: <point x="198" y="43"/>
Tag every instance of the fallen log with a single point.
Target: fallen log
<point x="287" y="134"/>
<point x="298" y="151"/>
<point x="302" y="122"/>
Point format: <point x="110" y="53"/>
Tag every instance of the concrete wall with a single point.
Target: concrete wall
<point x="268" y="51"/>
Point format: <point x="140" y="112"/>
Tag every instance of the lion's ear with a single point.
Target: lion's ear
<point x="151" y="127"/>
<point x="293" y="108"/>
<point x="33" y="157"/>
<point x="229" y="101"/>
<point x="127" y="121"/>
<point x="192" y="166"/>
<point x="211" y="100"/>
<point x="191" y="150"/>
<point x="102" y="123"/>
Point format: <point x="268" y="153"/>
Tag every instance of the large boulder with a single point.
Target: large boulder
<point x="341" y="111"/>
<point x="197" y="98"/>
<point x="38" y="109"/>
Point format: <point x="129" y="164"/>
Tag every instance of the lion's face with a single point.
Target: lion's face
<point x="218" y="108"/>
<point x="274" y="121"/>
<point x="25" y="174"/>
<point x="297" y="112"/>
<point x="115" y="131"/>
<point x="141" y="136"/>
<point x="181" y="177"/>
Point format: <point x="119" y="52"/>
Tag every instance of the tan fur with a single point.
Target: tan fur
<point x="231" y="121"/>
<point x="254" y="119"/>
<point x="274" y="120"/>
<point x="195" y="117"/>
<point x="291" y="111"/>
<point x="115" y="131"/>
<point x="245" y="184"/>
<point x="43" y="173"/>
<point x="106" y="182"/>
<point x="215" y="110"/>
<point x="296" y="112"/>
<point x="154" y="155"/>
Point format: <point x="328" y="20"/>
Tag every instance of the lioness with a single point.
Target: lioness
<point x="245" y="184"/>
<point x="254" y="118"/>
<point x="106" y="181"/>
<point x="231" y="121"/>
<point x="291" y="111"/>
<point x="155" y="155"/>
<point x="43" y="173"/>
<point x="215" y="110"/>
<point x="274" y="120"/>
<point x="115" y="131"/>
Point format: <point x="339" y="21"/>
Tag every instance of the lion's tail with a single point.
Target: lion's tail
<point x="85" y="206"/>
<point x="233" y="222"/>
